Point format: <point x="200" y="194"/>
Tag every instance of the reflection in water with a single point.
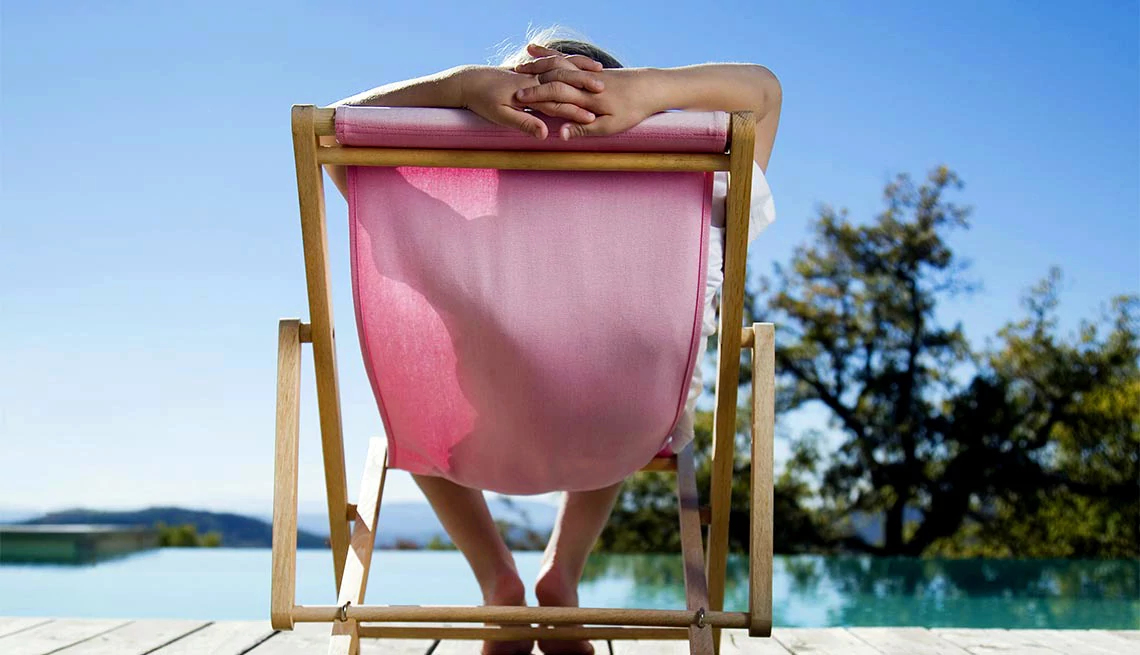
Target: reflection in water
<point x="862" y="590"/>
<point x="809" y="591"/>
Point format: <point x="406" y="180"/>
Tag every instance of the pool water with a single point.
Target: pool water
<point x="809" y="591"/>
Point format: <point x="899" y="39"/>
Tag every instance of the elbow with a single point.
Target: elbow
<point x="769" y="93"/>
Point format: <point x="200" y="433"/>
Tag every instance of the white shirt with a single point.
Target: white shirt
<point x="762" y="212"/>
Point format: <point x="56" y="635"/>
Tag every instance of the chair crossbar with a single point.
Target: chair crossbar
<point x="554" y="616"/>
<point x="513" y="633"/>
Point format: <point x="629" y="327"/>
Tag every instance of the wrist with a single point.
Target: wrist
<point x="656" y="88"/>
<point x="461" y="79"/>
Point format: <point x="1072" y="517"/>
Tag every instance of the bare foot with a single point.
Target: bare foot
<point x="508" y="590"/>
<point x="554" y="588"/>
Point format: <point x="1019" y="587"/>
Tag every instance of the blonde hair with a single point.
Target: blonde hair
<point x="559" y="38"/>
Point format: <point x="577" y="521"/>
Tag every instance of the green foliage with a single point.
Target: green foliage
<point x="1035" y="431"/>
<point x="185" y="536"/>
<point x="438" y="543"/>
<point x="1071" y="410"/>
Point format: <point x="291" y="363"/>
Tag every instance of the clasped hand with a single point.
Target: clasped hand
<point x="573" y="87"/>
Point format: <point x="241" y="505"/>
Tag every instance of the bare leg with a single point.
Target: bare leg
<point x="580" y="521"/>
<point x="467" y="519"/>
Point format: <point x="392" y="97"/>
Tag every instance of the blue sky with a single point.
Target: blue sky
<point x="149" y="238"/>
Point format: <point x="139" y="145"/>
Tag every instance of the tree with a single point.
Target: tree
<point x="185" y="536"/>
<point x="927" y="429"/>
<point x="1071" y="411"/>
<point x="858" y="334"/>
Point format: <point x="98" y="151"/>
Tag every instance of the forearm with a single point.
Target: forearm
<point x="715" y="87"/>
<point x="443" y="89"/>
<point x="723" y="87"/>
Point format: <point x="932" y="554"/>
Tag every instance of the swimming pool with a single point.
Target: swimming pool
<point x="810" y="591"/>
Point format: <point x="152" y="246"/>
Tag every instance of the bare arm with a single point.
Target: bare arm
<point x="633" y="94"/>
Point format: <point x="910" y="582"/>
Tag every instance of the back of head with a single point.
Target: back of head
<point x="565" y="41"/>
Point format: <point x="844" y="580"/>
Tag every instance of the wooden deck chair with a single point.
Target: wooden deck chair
<point x="450" y="164"/>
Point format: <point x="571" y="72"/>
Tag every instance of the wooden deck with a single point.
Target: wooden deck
<point x="39" y="636"/>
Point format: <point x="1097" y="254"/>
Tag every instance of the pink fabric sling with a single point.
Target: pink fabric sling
<point x="527" y="331"/>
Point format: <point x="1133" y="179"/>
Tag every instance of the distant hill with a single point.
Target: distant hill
<point x="237" y="531"/>
<point x="415" y="522"/>
<point x="400" y="522"/>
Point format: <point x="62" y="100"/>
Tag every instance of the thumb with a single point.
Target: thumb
<point x="508" y="116"/>
<point x="599" y="127"/>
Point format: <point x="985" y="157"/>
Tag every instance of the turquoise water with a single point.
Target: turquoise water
<point x="809" y="591"/>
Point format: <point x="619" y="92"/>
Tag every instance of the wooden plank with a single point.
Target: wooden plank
<point x="692" y="552"/>
<point x="220" y="638"/>
<point x="311" y="198"/>
<point x="1131" y="635"/>
<point x="54" y="635"/>
<point x="345" y="635"/>
<point x="283" y="585"/>
<point x="906" y="641"/>
<point x="1092" y="642"/>
<point x="987" y="642"/>
<point x="728" y="353"/>
<point x="13" y="624"/>
<point x="761" y="547"/>
<point x="647" y="647"/>
<point x="733" y="642"/>
<point x="135" y="638"/>
<point x="737" y="642"/>
<point x="309" y="639"/>
<point x="456" y="647"/>
<point x="523" y="160"/>
<point x="822" y="641"/>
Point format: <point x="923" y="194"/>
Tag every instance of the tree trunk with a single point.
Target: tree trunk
<point x="893" y="528"/>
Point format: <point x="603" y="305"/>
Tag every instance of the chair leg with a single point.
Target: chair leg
<point x="284" y="581"/>
<point x="345" y="639"/>
<point x="716" y="563"/>
<point x="763" y="432"/>
<point x="692" y="553"/>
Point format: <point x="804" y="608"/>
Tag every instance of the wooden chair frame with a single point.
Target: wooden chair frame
<point x="352" y="527"/>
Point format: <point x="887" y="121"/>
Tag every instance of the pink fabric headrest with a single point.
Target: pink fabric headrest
<point x="420" y="127"/>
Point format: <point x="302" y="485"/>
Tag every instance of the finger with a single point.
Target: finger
<point x="535" y="50"/>
<point x="582" y="62"/>
<point x="602" y="126"/>
<point x="564" y="110"/>
<point x="572" y="62"/>
<point x="544" y="64"/>
<point x="556" y="92"/>
<point x="520" y="120"/>
<point x="584" y="80"/>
